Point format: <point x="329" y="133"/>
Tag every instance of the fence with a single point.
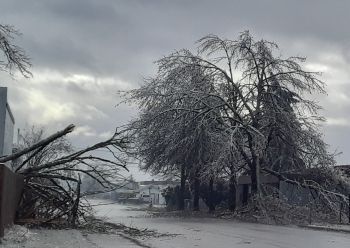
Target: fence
<point x="11" y="186"/>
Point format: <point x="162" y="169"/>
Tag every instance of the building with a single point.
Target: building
<point x="7" y="123"/>
<point x="125" y="192"/>
<point x="131" y="192"/>
<point x="151" y="191"/>
<point x="244" y="182"/>
<point x="291" y="193"/>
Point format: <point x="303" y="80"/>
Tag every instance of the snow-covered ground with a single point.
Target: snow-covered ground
<point x="208" y="232"/>
<point x="191" y="232"/>
<point x="21" y="237"/>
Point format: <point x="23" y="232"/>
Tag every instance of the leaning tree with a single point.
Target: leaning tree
<point x="257" y="102"/>
<point x="260" y="95"/>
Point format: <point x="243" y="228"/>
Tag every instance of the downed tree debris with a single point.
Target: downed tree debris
<point x="329" y="188"/>
<point x="52" y="172"/>
<point x="95" y="225"/>
<point x="272" y="210"/>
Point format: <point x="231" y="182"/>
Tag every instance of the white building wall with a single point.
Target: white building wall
<point x="154" y="192"/>
<point x="6" y="125"/>
<point x="8" y="133"/>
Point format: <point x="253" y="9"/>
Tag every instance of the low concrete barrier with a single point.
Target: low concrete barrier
<point x="11" y="186"/>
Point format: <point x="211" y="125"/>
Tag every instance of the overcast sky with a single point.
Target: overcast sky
<point x="84" y="51"/>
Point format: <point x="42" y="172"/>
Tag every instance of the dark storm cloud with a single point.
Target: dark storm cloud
<point x="116" y="37"/>
<point x="83" y="51"/>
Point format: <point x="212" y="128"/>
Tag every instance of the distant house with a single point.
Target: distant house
<point x="7" y="123"/>
<point x="132" y="192"/>
<point x="125" y="191"/>
<point x="151" y="191"/>
<point x="291" y="193"/>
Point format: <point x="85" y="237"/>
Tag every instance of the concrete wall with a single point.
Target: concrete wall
<point x="6" y="124"/>
<point x="11" y="186"/>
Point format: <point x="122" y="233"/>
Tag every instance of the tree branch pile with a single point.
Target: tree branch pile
<point x="273" y="210"/>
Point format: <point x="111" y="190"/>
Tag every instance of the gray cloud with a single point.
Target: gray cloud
<point x="84" y="51"/>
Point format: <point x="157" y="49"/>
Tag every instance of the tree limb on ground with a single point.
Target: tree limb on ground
<point x="52" y="172"/>
<point x="41" y="143"/>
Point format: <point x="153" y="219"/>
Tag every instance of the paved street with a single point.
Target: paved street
<point x="217" y="233"/>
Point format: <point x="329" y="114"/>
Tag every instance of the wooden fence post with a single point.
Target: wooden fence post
<point x="349" y="209"/>
<point x="310" y="213"/>
<point x="340" y="212"/>
<point x="11" y="186"/>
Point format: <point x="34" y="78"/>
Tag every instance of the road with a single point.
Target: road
<point x="209" y="232"/>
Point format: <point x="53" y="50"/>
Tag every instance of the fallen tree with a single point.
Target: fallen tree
<point x="52" y="174"/>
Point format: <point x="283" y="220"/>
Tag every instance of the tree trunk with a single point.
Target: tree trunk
<point x="232" y="192"/>
<point x="254" y="165"/>
<point x="181" y="200"/>
<point x="196" y="193"/>
<point x="211" y="204"/>
<point x="74" y="214"/>
<point x="255" y="178"/>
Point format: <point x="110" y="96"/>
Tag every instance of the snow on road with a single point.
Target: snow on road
<point x="21" y="237"/>
<point x="209" y="232"/>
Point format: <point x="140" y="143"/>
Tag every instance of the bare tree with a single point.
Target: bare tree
<point x="169" y="133"/>
<point x="255" y="88"/>
<point x="252" y="104"/>
<point x="12" y="56"/>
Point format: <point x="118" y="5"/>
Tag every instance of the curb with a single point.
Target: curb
<point x="325" y="228"/>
